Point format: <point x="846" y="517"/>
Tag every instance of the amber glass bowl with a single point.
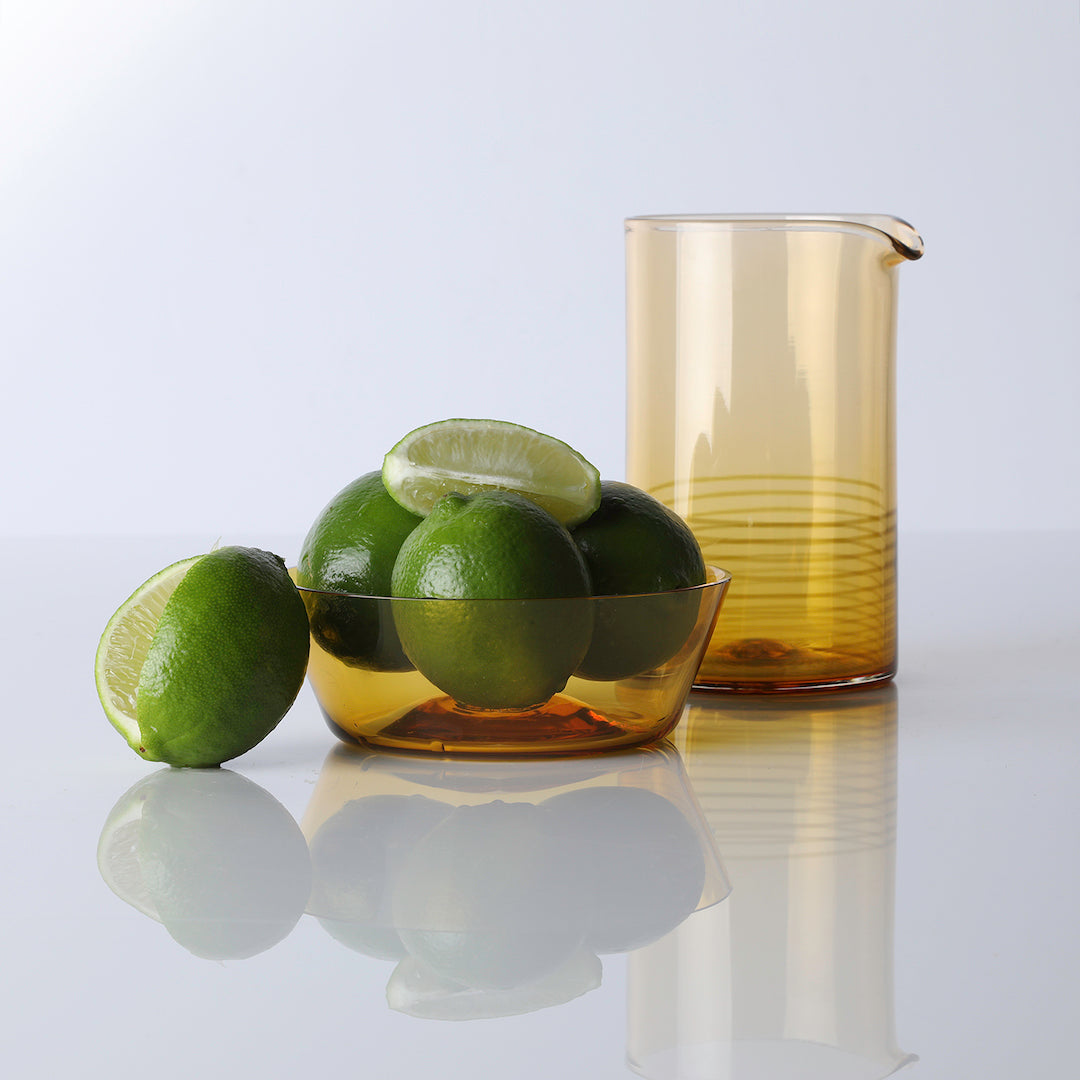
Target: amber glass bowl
<point x="562" y="676"/>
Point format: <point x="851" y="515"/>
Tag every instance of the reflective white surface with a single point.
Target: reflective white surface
<point x="902" y="866"/>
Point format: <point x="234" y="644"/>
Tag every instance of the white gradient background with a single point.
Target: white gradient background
<point x="244" y="246"/>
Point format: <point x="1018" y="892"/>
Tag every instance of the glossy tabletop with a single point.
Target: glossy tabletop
<point x="829" y="886"/>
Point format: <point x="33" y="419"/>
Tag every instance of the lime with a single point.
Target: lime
<point x="633" y="545"/>
<point x="468" y="456"/>
<point x="351" y="548"/>
<point x="201" y="662"/>
<point x="211" y="855"/>
<point x="519" y="622"/>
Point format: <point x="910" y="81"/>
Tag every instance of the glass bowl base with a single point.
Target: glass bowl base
<point x="562" y="725"/>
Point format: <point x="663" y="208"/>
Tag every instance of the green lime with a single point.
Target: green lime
<point x="201" y="662"/>
<point x="635" y="545"/>
<point x="212" y="856"/>
<point x="469" y="456"/>
<point x="351" y="548"/>
<point x="520" y="621"/>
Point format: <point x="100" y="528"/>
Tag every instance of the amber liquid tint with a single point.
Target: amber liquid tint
<point x="760" y="408"/>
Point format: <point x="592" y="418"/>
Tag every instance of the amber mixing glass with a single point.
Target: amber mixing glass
<point x="761" y="359"/>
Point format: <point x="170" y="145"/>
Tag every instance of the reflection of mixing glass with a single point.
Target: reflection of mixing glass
<point x="791" y="978"/>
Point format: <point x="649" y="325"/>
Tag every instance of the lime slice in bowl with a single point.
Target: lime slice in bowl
<point x="470" y="456"/>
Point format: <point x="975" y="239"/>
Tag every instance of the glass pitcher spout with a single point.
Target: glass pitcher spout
<point x="903" y="237"/>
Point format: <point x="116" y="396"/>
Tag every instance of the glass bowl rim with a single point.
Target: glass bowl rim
<point x="721" y="579"/>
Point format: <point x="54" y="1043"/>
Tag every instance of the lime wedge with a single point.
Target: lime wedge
<point x="125" y="643"/>
<point x="469" y="456"/>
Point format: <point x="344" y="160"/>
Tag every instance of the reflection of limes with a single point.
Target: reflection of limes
<point x="379" y="942"/>
<point x="481" y="900"/>
<point x="355" y="857"/>
<point x="468" y="456"/>
<point x="351" y="548"/>
<point x="495" y="546"/>
<point x="212" y="856"/>
<point x="634" y="544"/>
<point x="204" y="659"/>
<point x="635" y="855"/>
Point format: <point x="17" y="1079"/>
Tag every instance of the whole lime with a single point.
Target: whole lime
<point x="202" y="661"/>
<point x="509" y="619"/>
<point x="634" y="545"/>
<point x="351" y="548"/>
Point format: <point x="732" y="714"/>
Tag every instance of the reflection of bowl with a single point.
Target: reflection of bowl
<point x="495" y="883"/>
<point x="551" y="676"/>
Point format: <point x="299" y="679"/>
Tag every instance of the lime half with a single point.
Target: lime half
<point x="202" y="661"/>
<point x="470" y="456"/>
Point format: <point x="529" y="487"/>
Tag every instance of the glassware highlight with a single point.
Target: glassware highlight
<point x="760" y="381"/>
<point x="556" y="676"/>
